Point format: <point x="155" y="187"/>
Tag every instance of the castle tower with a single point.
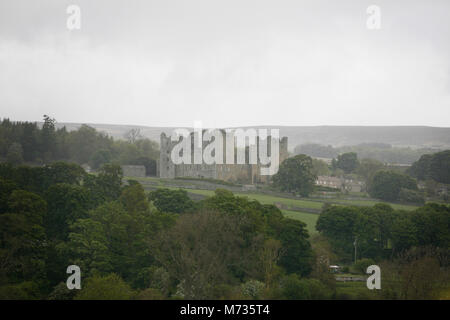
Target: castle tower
<point x="166" y="166"/>
<point x="250" y="173"/>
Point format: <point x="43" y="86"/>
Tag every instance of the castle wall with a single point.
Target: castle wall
<point x="196" y="171"/>
<point x="240" y="173"/>
<point x="133" y="171"/>
<point x="166" y="166"/>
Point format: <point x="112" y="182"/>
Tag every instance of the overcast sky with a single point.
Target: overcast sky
<point x="226" y="62"/>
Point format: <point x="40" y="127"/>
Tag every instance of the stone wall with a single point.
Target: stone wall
<point x="133" y="171"/>
<point x="240" y="173"/>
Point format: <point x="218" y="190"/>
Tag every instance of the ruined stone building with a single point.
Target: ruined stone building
<point x="240" y="173"/>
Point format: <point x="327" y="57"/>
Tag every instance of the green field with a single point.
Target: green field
<point x="301" y="203"/>
<point x="268" y="199"/>
<point x="291" y="208"/>
<point x="363" y="202"/>
<point x="309" y="218"/>
<point x="354" y="290"/>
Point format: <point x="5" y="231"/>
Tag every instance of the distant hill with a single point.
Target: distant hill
<point x="337" y="136"/>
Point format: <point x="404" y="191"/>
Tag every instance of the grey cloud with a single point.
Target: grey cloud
<point x="227" y="63"/>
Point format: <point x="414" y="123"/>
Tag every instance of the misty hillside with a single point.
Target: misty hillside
<point x="404" y="136"/>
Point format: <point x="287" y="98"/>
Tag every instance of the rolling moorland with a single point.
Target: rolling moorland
<point x="402" y="136"/>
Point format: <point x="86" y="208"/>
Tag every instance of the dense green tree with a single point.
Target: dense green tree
<point x="15" y="153"/>
<point x="66" y="204"/>
<point x="370" y="226"/>
<point x="296" y="175"/>
<point x="347" y="162"/>
<point x="297" y="253"/>
<point x="85" y="141"/>
<point x="404" y="232"/>
<point x="367" y="168"/>
<point x="63" y="172"/>
<point x="411" y="196"/>
<point x="362" y="265"/>
<point x="225" y="202"/>
<point x="267" y="219"/>
<point x="294" y="288"/>
<point x="30" y="141"/>
<point x="320" y="168"/>
<point x="148" y="148"/>
<point x="109" y="287"/>
<point x="22" y="237"/>
<point x="206" y="249"/>
<point x="420" y="273"/>
<point x="421" y="168"/>
<point x="55" y="215"/>
<point x="27" y="290"/>
<point x="432" y="222"/>
<point x="338" y="224"/>
<point x="432" y="166"/>
<point x="380" y="229"/>
<point x="115" y="236"/>
<point x="33" y="143"/>
<point x="440" y="167"/>
<point x="133" y="199"/>
<point x="48" y="138"/>
<point x="6" y="188"/>
<point x="386" y="185"/>
<point x="87" y="247"/>
<point x="171" y="201"/>
<point x="61" y="292"/>
<point x="107" y="185"/>
<point x="99" y="158"/>
<point x="374" y="229"/>
<point x="253" y="289"/>
<point x="38" y="179"/>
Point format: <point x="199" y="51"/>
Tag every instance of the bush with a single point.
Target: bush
<point x="295" y="175"/>
<point x="61" y="292"/>
<point x="361" y="265"/>
<point x="22" y="291"/>
<point x="110" y="287"/>
<point x="171" y="201"/>
<point x="294" y="289"/>
<point x="411" y="196"/>
<point x="150" y="294"/>
<point x="253" y="289"/>
<point x="386" y="185"/>
<point x="317" y="290"/>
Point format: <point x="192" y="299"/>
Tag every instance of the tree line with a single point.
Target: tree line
<point x="411" y="247"/>
<point x="27" y="142"/>
<point x="382" y="152"/>
<point x="133" y="245"/>
<point x="298" y="174"/>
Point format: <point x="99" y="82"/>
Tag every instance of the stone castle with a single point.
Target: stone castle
<point x="239" y="173"/>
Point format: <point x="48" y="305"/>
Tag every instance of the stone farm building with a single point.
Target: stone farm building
<point x="340" y="183"/>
